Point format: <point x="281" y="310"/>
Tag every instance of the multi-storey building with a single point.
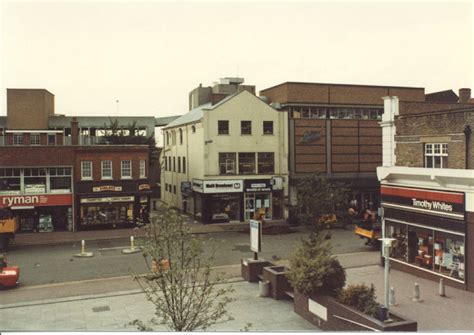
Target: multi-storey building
<point x="334" y="130"/>
<point x="427" y="187"/>
<point x="226" y="159"/>
<point x="60" y="173"/>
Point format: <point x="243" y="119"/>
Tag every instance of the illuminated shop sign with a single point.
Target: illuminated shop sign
<point x="36" y="200"/>
<point x="218" y="186"/>
<point x="449" y="204"/>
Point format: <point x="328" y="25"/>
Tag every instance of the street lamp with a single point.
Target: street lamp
<point x="386" y="245"/>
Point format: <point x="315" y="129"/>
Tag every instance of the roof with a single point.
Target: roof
<point x="442" y="96"/>
<point x="193" y="115"/>
<point x="329" y="84"/>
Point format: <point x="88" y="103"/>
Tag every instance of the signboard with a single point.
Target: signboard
<point x="107" y="199"/>
<point x="142" y="187"/>
<point x="255" y="236"/>
<point x="36" y="200"/>
<point x="109" y="188"/>
<point x="258" y="185"/>
<point x="186" y="188"/>
<point x="35" y="188"/>
<point x="218" y="186"/>
<point x="432" y="202"/>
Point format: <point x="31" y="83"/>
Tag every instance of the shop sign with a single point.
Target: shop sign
<point x="142" y="187"/>
<point x="449" y="204"/>
<point x="222" y="186"/>
<point x="186" y="188"/>
<point x="197" y="185"/>
<point x="107" y="199"/>
<point x="258" y="185"/>
<point x="35" y="188"/>
<point x="36" y="200"/>
<point x="255" y="236"/>
<point x="105" y="188"/>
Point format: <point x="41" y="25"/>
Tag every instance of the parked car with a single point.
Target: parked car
<point x="9" y="275"/>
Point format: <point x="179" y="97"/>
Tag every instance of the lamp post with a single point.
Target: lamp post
<point x="386" y="245"/>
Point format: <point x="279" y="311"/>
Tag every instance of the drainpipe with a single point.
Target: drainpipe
<point x="467" y="133"/>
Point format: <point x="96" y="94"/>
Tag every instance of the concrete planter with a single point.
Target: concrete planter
<point x="278" y="282"/>
<point x="251" y="269"/>
<point x="328" y="314"/>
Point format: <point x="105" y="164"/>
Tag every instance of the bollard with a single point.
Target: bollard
<point x="83" y="246"/>
<point x="441" y="290"/>
<point x="132" y="248"/>
<point x="83" y="251"/>
<point x="392" y="297"/>
<point x="416" y="294"/>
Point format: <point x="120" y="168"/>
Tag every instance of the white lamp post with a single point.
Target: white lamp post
<point x="386" y="245"/>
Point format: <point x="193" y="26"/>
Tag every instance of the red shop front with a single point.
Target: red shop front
<point x="40" y="212"/>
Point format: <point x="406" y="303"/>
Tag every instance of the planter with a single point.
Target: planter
<point x="328" y="314"/>
<point x="278" y="282"/>
<point x="251" y="269"/>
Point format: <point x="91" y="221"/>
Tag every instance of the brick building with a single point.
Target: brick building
<point x="60" y="173"/>
<point x="334" y="130"/>
<point x="427" y="187"/>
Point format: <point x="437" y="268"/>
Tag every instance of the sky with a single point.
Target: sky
<point x="149" y="55"/>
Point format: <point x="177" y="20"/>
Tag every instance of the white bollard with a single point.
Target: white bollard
<point x="83" y="246"/>
<point x="132" y="247"/>
<point x="416" y="294"/>
<point x="392" y="297"/>
<point x="441" y="290"/>
<point x="83" y="251"/>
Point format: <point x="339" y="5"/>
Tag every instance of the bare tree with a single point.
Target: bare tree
<point x="187" y="295"/>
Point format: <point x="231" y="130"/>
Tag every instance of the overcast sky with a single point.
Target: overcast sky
<point x="149" y="55"/>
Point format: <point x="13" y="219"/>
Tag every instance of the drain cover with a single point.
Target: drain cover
<point x="100" y="309"/>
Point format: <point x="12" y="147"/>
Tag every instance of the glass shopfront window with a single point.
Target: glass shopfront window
<point x="258" y="205"/>
<point x="106" y="214"/>
<point x="225" y="207"/>
<point x="437" y="251"/>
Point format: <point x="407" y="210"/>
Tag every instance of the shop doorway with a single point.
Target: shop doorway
<point x="258" y="205"/>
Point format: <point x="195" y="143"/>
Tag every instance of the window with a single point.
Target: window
<point x="184" y="164"/>
<point x="436" y="155"/>
<point x="35" y="180"/>
<point x="180" y="136"/>
<point x="268" y="127"/>
<point x="266" y="163"/>
<point x="167" y="138"/>
<point x="179" y="164"/>
<point x="166" y="163"/>
<point x="106" y="167"/>
<point x="227" y="163"/>
<point x="51" y="139"/>
<point x="223" y="127"/>
<point x="10" y="180"/>
<point x="169" y="163"/>
<point x="246" y="127"/>
<point x="193" y="129"/>
<point x="174" y="164"/>
<point x="17" y="139"/>
<point x="142" y="168"/>
<point x="174" y="189"/>
<point x="34" y="139"/>
<point x="173" y="137"/>
<point x="246" y="162"/>
<point x="60" y="179"/>
<point x="86" y="170"/>
<point x="126" y="169"/>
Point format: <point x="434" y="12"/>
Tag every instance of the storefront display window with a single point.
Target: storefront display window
<point x="106" y="214"/>
<point x="258" y="206"/>
<point x="225" y="207"/>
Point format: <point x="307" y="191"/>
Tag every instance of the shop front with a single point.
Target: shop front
<point x="263" y="199"/>
<point x="430" y="231"/>
<point x="40" y="212"/>
<point x="112" y="205"/>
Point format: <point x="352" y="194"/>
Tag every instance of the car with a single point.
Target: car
<point x="9" y="275"/>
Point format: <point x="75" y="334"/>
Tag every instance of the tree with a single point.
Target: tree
<point x="186" y="294"/>
<point x="317" y="195"/>
<point x="313" y="269"/>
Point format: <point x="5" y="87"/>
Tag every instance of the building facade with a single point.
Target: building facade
<point x="226" y="159"/>
<point x="427" y="189"/>
<point x="334" y="130"/>
<point x="61" y="173"/>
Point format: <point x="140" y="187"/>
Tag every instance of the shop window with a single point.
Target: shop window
<point x="60" y="179"/>
<point x="449" y="255"/>
<point x="142" y="168"/>
<point x="106" y="167"/>
<point x="268" y="127"/>
<point x="17" y="139"/>
<point x="51" y="139"/>
<point x="400" y="245"/>
<point x="266" y="162"/>
<point x="34" y="139"/>
<point x="436" y="155"/>
<point x="86" y="170"/>
<point x="106" y="214"/>
<point x="245" y="127"/>
<point x="34" y="180"/>
<point x="224" y="207"/>
<point x="246" y="162"/>
<point x="126" y="169"/>
<point x="223" y="127"/>
<point x="184" y="164"/>
<point x="10" y="181"/>
<point x="227" y="163"/>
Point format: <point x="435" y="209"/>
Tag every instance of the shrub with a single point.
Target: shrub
<point x="314" y="270"/>
<point x="361" y="297"/>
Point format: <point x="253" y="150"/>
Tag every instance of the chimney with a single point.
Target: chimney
<point x="74" y="131"/>
<point x="464" y="95"/>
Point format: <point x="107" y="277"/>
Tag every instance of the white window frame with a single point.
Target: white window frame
<point x="16" y="136"/>
<point x="84" y="177"/>
<point x="38" y="136"/>
<point x="102" y="170"/>
<point x="142" y="168"/>
<point x="122" y="176"/>
<point x="433" y="150"/>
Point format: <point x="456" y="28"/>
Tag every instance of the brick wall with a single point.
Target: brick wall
<point x="409" y="108"/>
<point x="36" y="156"/>
<point x="29" y="108"/>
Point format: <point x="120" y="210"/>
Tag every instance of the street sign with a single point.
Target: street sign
<point x="255" y="236"/>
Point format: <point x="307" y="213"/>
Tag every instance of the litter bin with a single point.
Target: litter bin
<point x="264" y="286"/>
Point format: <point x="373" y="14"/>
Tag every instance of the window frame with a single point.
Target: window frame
<point x="245" y="127"/>
<point x="102" y="170"/>
<point x="37" y="136"/>
<point x="434" y="151"/>
<point x="142" y="168"/>
<point x="17" y="136"/>
<point x="83" y="177"/>
<point x="220" y="127"/>
<point x="239" y="163"/>
<point x="221" y="157"/>
<point x="122" y="176"/>
<point x="264" y="128"/>
<point x="259" y="162"/>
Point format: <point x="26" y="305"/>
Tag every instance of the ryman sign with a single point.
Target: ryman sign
<point x="36" y="200"/>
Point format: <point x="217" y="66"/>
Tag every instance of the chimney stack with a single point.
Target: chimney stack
<point x="464" y="95"/>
